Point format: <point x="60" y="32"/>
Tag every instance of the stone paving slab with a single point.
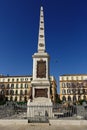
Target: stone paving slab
<point x="68" y="122"/>
<point x="40" y="127"/>
<point x="24" y="125"/>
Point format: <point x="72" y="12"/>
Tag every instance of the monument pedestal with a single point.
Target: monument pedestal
<point x="41" y="104"/>
<point x="39" y="108"/>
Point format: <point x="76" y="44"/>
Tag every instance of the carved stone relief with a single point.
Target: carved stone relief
<point x="41" y="69"/>
<point x="41" y="92"/>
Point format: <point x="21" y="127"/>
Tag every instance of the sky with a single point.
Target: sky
<point x="65" y="32"/>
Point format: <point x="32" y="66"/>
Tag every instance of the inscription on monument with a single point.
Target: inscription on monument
<point x="41" y="69"/>
<point x="41" y="92"/>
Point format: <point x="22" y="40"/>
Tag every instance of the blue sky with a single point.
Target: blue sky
<point x="65" y="31"/>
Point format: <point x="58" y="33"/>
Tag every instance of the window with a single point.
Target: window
<point x="81" y="77"/>
<point x="26" y="79"/>
<point x="16" y="92"/>
<point x="62" y="78"/>
<point x="81" y="85"/>
<point x="64" y="98"/>
<point x="26" y="85"/>
<point x="11" y="92"/>
<point x="30" y="79"/>
<point x="79" y="97"/>
<point x="74" y="98"/>
<point x="16" y="85"/>
<point x="81" y="91"/>
<point x="76" y="77"/>
<point x="11" y="98"/>
<point x="72" y="78"/>
<point x="7" y="92"/>
<point x="25" y="92"/>
<point x="73" y="85"/>
<point x="3" y="80"/>
<point x="63" y="91"/>
<point x="3" y="86"/>
<point x="15" y="98"/>
<point x="21" y="92"/>
<point x="25" y="99"/>
<point x="21" y="85"/>
<point x="69" y="98"/>
<point x="63" y="85"/>
<point x="2" y="92"/>
<point x="84" y="97"/>
<point x="85" y="91"/>
<point x="22" y="79"/>
<point x="66" y="78"/>
<point x="67" y="84"/>
<point x="8" y="86"/>
<point x="12" y="80"/>
<point x="8" y="80"/>
<point x="12" y="86"/>
<point x="74" y="91"/>
<point x="20" y="98"/>
<point x="68" y="91"/>
<point x="17" y="80"/>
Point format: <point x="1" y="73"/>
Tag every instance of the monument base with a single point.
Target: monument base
<point x="39" y="109"/>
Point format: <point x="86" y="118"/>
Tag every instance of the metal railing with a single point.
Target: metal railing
<point x="59" y="111"/>
<point x="74" y="112"/>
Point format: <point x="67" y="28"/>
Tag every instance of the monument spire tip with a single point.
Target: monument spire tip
<point x="41" y="7"/>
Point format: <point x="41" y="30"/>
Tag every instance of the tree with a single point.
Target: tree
<point x="58" y="99"/>
<point x="2" y="99"/>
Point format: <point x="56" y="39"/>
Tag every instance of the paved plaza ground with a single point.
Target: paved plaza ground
<point x="40" y="127"/>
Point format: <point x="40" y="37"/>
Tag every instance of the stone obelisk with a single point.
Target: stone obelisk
<point x="40" y="104"/>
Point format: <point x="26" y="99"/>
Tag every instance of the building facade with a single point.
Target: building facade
<point x="18" y="88"/>
<point x="73" y="87"/>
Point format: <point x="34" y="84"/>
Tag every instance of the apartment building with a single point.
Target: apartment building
<point x="73" y="87"/>
<point x="18" y="88"/>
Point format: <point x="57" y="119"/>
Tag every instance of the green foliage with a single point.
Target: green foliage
<point x="21" y="103"/>
<point x="2" y="102"/>
<point x="58" y="99"/>
<point x="51" y="90"/>
<point x="81" y="101"/>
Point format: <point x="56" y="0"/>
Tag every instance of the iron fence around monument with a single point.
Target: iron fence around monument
<point x="10" y="109"/>
<point x="71" y="112"/>
<point x="62" y="112"/>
